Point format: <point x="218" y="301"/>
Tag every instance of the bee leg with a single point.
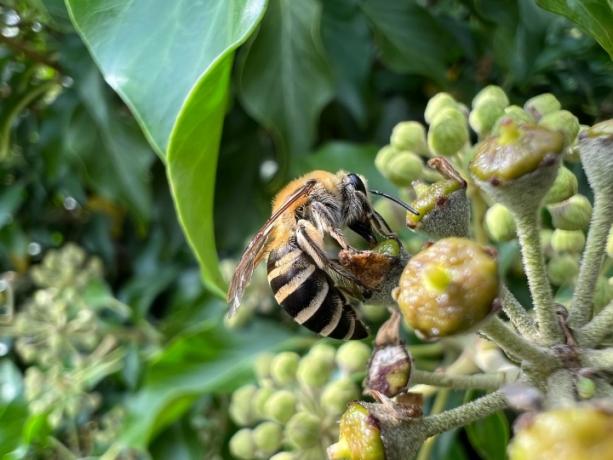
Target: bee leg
<point x="379" y="224"/>
<point x="323" y="218"/>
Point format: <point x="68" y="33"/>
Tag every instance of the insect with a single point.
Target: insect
<point x="310" y="286"/>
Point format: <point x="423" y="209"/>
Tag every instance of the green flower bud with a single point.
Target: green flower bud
<point x="359" y="437"/>
<point x="545" y="237"/>
<point x="603" y="293"/>
<point x="242" y="445"/>
<point x="391" y="212"/>
<point x="541" y="105"/>
<point x="403" y="168"/>
<point x="562" y="121"/>
<point x="484" y="115"/>
<point x="610" y="243"/>
<point x="586" y="388"/>
<point x="284" y="366"/>
<point x="389" y="370"/>
<point x="267" y="437"/>
<point x="596" y="150"/>
<point x="337" y="394"/>
<point x="260" y="399"/>
<point x="313" y="372"/>
<point x="571" y="214"/>
<point x="374" y="313"/>
<point x="574" y="433"/>
<point x="303" y="430"/>
<point x="285" y="456"/>
<point x="448" y="287"/>
<point x="563" y="187"/>
<point x="567" y="241"/>
<point x="262" y="366"/>
<point x="491" y="93"/>
<point x="515" y="114"/>
<point x="240" y="406"/>
<point x="280" y="406"/>
<point x="499" y="223"/>
<point x="437" y="104"/>
<point x="410" y="136"/>
<point x="324" y="353"/>
<point x="563" y="269"/>
<point x="353" y="356"/>
<point x="448" y="132"/>
<point x="383" y="157"/>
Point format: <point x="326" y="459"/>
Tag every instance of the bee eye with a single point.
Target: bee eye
<point x="300" y="211"/>
<point x="356" y="182"/>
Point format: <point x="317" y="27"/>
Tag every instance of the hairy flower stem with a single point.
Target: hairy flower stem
<point x="598" y="328"/>
<point x="598" y="359"/>
<point x="602" y="218"/>
<point x="534" y="264"/>
<point x="437" y="407"/>
<point x="516" y="345"/>
<point x="491" y="381"/>
<point x="561" y="389"/>
<point x="519" y="316"/>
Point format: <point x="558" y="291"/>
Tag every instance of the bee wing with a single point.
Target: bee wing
<point x="254" y="251"/>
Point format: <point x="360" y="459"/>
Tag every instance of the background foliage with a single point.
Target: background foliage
<point x="234" y="97"/>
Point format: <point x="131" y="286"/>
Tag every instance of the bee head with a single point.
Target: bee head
<point x="356" y="182"/>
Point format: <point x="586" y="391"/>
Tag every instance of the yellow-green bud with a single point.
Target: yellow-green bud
<point x="280" y="406"/>
<point x="383" y="157"/>
<point x="491" y="92"/>
<point x="448" y="287"/>
<point x="303" y="430"/>
<point x="267" y="437"/>
<point x="410" y="136"/>
<point x="545" y="237"/>
<point x="284" y="366"/>
<point x="353" y="356"/>
<point x="515" y="114"/>
<point x="562" y="121"/>
<point x="499" y="223"/>
<point x="240" y="406"/>
<point x="603" y="293"/>
<point x="563" y="269"/>
<point x="403" y="168"/>
<point x="571" y="214"/>
<point x="262" y="366"/>
<point x="563" y="187"/>
<point x="324" y="353"/>
<point x="610" y="243"/>
<point x="437" y="103"/>
<point x="484" y="115"/>
<point x="242" y="445"/>
<point x="567" y="241"/>
<point x="586" y="388"/>
<point x="359" y="436"/>
<point x="285" y="456"/>
<point x="448" y="132"/>
<point x="374" y="313"/>
<point x="337" y="394"/>
<point x="260" y="398"/>
<point x="596" y="150"/>
<point x="541" y="105"/>
<point x="313" y="372"/>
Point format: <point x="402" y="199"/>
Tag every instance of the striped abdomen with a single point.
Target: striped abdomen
<point x="309" y="296"/>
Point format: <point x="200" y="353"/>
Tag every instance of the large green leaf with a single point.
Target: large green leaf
<point x="285" y="79"/>
<point x="593" y="16"/>
<point x="211" y="360"/>
<point x="153" y="52"/>
<point x="490" y="436"/>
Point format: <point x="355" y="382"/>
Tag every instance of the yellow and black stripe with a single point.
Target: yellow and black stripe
<point x="309" y="296"/>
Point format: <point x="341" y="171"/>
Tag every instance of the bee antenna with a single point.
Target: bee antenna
<point x="395" y="200"/>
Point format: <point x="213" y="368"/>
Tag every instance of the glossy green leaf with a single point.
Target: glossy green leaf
<point x="409" y="37"/>
<point x="210" y="360"/>
<point x="593" y="16"/>
<point x="153" y="52"/>
<point x="489" y="436"/>
<point x="285" y="78"/>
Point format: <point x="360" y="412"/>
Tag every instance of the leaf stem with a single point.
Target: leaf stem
<point x="490" y="381"/>
<point x="517" y="313"/>
<point x="598" y="359"/>
<point x="602" y="218"/>
<point x="598" y="328"/>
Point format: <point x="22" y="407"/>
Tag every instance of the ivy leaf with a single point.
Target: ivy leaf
<point x="489" y="436"/>
<point x="285" y="79"/>
<point x="593" y="16"/>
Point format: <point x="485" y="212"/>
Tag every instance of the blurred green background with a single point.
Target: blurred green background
<point x="141" y="139"/>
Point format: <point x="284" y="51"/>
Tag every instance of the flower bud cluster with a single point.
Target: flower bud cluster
<point x="292" y="410"/>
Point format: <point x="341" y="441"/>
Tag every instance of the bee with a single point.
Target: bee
<point x="311" y="287"/>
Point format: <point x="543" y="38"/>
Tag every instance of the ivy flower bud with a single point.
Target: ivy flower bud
<point x="383" y="157"/>
<point x="603" y="293"/>
<point x="403" y="168"/>
<point x="563" y="269"/>
<point x="262" y="366"/>
<point x="565" y="434"/>
<point x="515" y="114"/>
<point x="260" y="398"/>
<point x="541" y="105"/>
<point x="324" y="353"/>
<point x="410" y="136"/>
<point x="567" y="241"/>
<point x="610" y="243"/>
<point x="337" y="394"/>
<point x="280" y="406"/>
<point x="353" y="356"/>
<point x="499" y="223"/>
<point x="488" y="107"/>
<point x="267" y="437"/>
<point x="586" y="388"/>
<point x="313" y="372"/>
<point x="285" y="456"/>
<point x="448" y="132"/>
<point x="437" y="104"/>
<point x="596" y="150"/>
<point x="284" y="366"/>
<point x="448" y="288"/>
<point x="240" y="405"/>
<point x="359" y="437"/>
<point x="242" y="445"/>
<point x="389" y="370"/>
<point x="303" y="430"/>
<point x="571" y="214"/>
<point x="562" y="121"/>
<point x="564" y="186"/>
<point x="491" y="92"/>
